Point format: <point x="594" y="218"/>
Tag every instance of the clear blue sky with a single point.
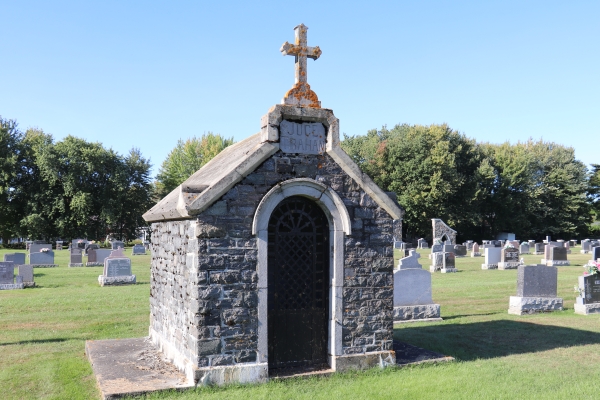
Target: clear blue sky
<point x="145" y="74"/>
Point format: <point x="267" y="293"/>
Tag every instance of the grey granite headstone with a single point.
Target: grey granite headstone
<point x="76" y="257"/>
<point x="117" y="244"/>
<point x="89" y="246"/>
<point x="412" y="287"/>
<point x="397" y="244"/>
<point x="26" y="272"/>
<point x="7" y="273"/>
<point x="595" y="253"/>
<point x="138" y="249"/>
<point x="585" y="246"/>
<point x="524" y="248"/>
<point x="17" y="258"/>
<point x="411" y="261"/>
<point x="37" y="247"/>
<point x="437" y="261"/>
<point x="475" y="250"/>
<point x="591" y="289"/>
<point x="42" y="259"/>
<point x="449" y="248"/>
<point x="557" y="256"/>
<point x="536" y="281"/>
<point x="492" y="257"/>
<point x="117" y="267"/>
<point x="422" y="244"/>
<point x="302" y="137"/>
<point x="436" y="248"/>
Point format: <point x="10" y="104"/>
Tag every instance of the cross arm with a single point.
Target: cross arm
<point x="288" y="49"/>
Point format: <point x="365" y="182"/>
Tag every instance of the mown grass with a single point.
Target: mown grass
<point x="43" y="332"/>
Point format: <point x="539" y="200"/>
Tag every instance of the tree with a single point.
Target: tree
<point x="10" y="162"/>
<point x="432" y="169"/>
<point x="186" y="158"/>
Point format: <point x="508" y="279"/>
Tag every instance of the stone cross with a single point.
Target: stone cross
<point x="300" y="94"/>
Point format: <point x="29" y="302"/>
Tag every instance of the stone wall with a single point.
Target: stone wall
<point x="220" y="291"/>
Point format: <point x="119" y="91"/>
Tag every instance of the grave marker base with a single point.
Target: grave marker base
<point x="116" y="280"/>
<point x="508" y="265"/>
<point x="551" y="263"/>
<point x="531" y="305"/>
<point x="475" y="254"/>
<point x="420" y="313"/>
<point x="94" y="264"/>
<point x="489" y="266"/>
<point x="11" y="286"/>
<point x="587" y="309"/>
<point x="75" y="264"/>
<point x="44" y="265"/>
<point x="448" y="270"/>
<point x="583" y="251"/>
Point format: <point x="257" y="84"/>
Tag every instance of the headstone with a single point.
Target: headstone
<point x="37" y="247"/>
<point x="448" y="248"/>
<point x="397" y="244"/>
<point x="509" y="258"/>
<point x="585" y="246"/>
<point x="557" y="256"/>
<point x="437" y="261"/>
<point x="117" y="270"/>
<point x="588" y="301"/>
<point x="536" y="291"/>
<point x="548" y="239"/>
<point x="524" y="248"/>
<point x="76" y="259"/>
<point x="412" y="292"/>
<point x="460" y="250"/>
<point x="475" y="251"/>
<point x="469" y="245"/>
<point x="26" y="273"/>
<point x="89" y="246"/>
<point x="422" y="244"/>
<point x="96" y="257"/>
<point x="147" y="245"/>
<point x="117" y="243"/>
<point x="572" y="243"/>
<point x="531" y="244"/>
<point x="28" y="244"/>
<point x="138" y="250"/>
<point x="43" y="259"/>
<point x="594" y="252"/>
<point x="449" y="264"/>
<point x="79" y="243"/>
<point x="539" y="248"/>
<point x="496" y="243"/>
<point x="16" y="258"/>
<point x="410" y="262"/>
<point x="59" y="245"/>
<point x="7" y="277"/>
<point x="492" y="258"/>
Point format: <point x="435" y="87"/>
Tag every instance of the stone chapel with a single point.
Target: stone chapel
<point x="277" y="254"/>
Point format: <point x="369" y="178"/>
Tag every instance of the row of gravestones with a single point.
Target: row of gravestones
<point x="117" y="268"/>
<point x="536" y="291"/>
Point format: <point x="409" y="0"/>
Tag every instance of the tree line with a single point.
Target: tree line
<point x="69" y="188"/>
<point x="532" y="188"/>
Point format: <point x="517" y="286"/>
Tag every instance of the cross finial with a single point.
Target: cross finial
<point x="300" y="94"/>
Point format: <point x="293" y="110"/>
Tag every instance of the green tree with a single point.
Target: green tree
<point x="432" y="169"/>
<point x="10" y="164"/>
<point x="186" y="158"/>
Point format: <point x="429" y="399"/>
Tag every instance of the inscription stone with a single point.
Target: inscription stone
<point x="116" y="244"/>
<point x="492" y="258"/>
<point x="460" y="250"/>
<point x="509" y="258"/>
<point x="302" y="137"/>
<point x="536" y="291"/>
<point x="591" y="289"/>
<point x="17" y="258"/>
<point x="411" y="261"/>
<point x="138" y="250"/>
<point x="539" y="248"/>
<point x="37" y="247"/>
<point x="475" y="250"/>
<point x="557" y="256"/>
<point x="26" y="273"/>
<point x="117" y="267"/>
<point x="449" y="263"/>
<point x="7" y="273"/>
<point x="76" y="259"/>
<point x="42" y="259"/>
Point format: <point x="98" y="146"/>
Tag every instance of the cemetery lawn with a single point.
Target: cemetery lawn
<point x="43" y="332"/>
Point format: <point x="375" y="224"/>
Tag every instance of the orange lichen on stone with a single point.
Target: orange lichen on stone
<point x="303" y="96"/>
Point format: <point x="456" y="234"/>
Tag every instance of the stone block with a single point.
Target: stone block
<point x="531" y="305"/>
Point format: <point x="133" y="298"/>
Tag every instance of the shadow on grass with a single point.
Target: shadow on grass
<point x="492" y="339"/>
<point x="38" y="341"/>
<point x="471" y="315"/>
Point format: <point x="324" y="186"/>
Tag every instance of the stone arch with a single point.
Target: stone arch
<point x="339" y="225"/>
<point x="440" y="229"/>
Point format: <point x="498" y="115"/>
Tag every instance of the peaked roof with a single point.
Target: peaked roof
<point x="235" y="162"/>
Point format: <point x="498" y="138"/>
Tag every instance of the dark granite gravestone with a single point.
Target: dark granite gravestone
<point x="42" y="259"/>
<point x="585" y="246"/>
<point x="76" y="257"/>
<point x="17" y="258"/>
<point x="79" y="243"/>
<point x="460" y="250"/>
<point x="138" y="250"/>
<point x="509" y="258"/>
<point x="449" y="263"/>
<point x="536" y="281"/>
<point x="539" y="248"/>
<point x="116" y="244"/>
<point x="89" y="246"/>
<point x="591" y="288"/>
<point x="557" y="256"/>
<point x="91" y="256"/>
<point x="595" y="253"/>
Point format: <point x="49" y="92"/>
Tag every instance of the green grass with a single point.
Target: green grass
<point x="500" y="356"/>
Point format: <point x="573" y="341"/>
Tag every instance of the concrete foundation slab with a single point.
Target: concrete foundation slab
<point x="131" y="367"/>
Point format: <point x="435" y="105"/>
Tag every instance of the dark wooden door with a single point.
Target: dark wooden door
<point x="298" y="280"/>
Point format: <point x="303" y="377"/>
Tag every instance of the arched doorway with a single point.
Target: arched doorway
<point x="298" y="276"/>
